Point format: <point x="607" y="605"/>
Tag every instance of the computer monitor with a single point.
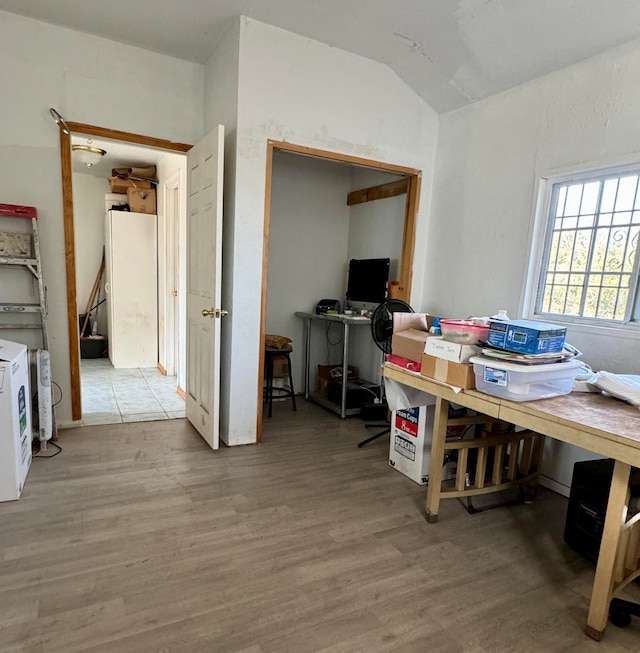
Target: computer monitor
<point x="368" y="280"/>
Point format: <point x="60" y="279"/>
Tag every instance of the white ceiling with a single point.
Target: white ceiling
<point x="451" y="52"/>
<point x="118" y="155"/>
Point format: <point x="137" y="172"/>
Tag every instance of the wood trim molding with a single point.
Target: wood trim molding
<point x="411" y="185"/>
<point x="181" y="393"/>
<point x="381" y="192"/>
<point x="70" y="265"/>
<point x="265" y="274"/>
<point x="69" y="235"/>
<point x="409" y="238"/>
<point x="341" y="158"/>
<point x="137" y="139"/>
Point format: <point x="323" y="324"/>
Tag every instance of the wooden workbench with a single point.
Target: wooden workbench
<point x="601" y="424"/>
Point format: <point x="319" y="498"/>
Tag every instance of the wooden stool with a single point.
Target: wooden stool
<point x="272" y="354"/>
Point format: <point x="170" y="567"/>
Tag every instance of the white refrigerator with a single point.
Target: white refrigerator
<point x="131" y="287"/>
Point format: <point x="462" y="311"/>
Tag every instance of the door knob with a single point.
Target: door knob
<point x="214" y="312"/>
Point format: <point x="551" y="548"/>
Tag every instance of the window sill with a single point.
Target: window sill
<point x="624" y="331"/>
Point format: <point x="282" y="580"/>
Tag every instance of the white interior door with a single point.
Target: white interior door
<point x="204" y="272"/>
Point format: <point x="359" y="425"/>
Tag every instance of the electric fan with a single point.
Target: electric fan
<point x="382" y="331"/>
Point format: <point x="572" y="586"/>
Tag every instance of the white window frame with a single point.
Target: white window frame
<point x="537" y="257"/>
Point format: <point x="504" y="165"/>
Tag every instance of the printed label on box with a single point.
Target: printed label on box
<point x="407" y="421"/>
<point x="495" y="376"/>
<point x="22" y="410"/>
<point x="404" y="447"/>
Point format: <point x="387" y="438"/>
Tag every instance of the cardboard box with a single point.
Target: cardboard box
<point x="410" y="441"/>
<point x="15" y="419"/>
<point x="280" y="367"/>
<point x="526" y="336"/>
<point x="452" y="351"/>
<point x="123" y="185"/>
<point x="329" y="373"/>
<point x="409" y="343"/>
<point x="142" y="200"/>
<point x="460" y="375"/>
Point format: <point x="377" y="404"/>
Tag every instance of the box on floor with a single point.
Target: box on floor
<point x="15" y="419"/>
<point x="329" y="373"/>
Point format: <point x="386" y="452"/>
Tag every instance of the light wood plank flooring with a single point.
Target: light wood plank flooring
<point x="138" y="538"/>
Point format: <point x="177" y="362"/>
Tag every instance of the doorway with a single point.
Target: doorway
<point x="394" y="181"/>
<point x="170" y="191"/>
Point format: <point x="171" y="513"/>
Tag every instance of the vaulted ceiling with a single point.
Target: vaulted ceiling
<point x="451" y="52"/>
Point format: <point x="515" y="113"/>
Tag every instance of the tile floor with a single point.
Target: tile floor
<point x="110" y="396"/>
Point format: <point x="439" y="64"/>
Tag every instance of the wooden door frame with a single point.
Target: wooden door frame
<point x="69" y="232"/>
<point x="171" y="191"/>
<point x="414" y="180"/>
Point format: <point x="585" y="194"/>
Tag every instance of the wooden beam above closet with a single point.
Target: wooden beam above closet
<point x="381" y="192"/>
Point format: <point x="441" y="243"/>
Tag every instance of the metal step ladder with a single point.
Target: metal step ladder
<point x="20" y="249"/>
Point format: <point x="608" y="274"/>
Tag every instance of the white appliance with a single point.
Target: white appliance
<point x="132" y="288"/>
<point x="15" y="419"/>
<point x="41" y="397"/>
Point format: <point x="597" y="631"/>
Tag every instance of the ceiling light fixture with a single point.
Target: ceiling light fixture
<point x="88" y="154"/>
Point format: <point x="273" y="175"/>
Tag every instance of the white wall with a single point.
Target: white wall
<point x="308" y="238"/>
<point x="89" y="208"/>
<point x="375" y="231"/>
<point x="490" y="155"/>
<point x="298" y="90"/>
<point x="89" y="80"/>
<point x="221" y="108"/>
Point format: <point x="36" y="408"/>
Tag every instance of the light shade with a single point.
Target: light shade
<point x="88" y="154"/>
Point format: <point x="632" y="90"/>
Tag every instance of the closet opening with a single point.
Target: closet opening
<point x="321" y="210"/>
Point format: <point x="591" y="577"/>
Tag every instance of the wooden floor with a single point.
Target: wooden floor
<point x="138" y="538"/>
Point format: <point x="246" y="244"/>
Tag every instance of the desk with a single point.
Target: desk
<point x="606" y="426"/>
<point x="346" y="321"/>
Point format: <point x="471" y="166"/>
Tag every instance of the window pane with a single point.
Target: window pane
<point x="626" y="193"/>
<point x="591" y="248"/>
<point x="587" y="221"/>
<point x="565" y="251"/>
<point x="581" y="250"/>
<point x="590" y="197"/>
<point x="609" y="195"/>
<point x="562" y="196"/>
<point x="574" y="197"/>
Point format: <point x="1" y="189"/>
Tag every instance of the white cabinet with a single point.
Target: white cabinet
<point x="132" y="288"/>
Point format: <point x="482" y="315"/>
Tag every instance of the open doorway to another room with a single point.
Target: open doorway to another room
<point x="130" y="285"/>
<point x="323" y="211"/>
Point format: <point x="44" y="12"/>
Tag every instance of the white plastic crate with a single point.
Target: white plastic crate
<point x="524" y="382"/>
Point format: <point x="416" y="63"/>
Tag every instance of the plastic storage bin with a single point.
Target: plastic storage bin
<point x="524" y="382"/>
<point x="465" y="332"/>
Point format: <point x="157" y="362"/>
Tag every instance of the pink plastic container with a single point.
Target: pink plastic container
<point x="464" y="331"/>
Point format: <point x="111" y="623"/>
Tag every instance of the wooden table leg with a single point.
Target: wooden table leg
<point x="603" y="582"/>
<point x="437" y="458"/>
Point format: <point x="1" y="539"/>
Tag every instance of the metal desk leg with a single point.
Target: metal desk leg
<point x="603" y="583"/>
<point x="434" y="486"/>
<point x="345" y="368"/>
<point x="307" y="355"/>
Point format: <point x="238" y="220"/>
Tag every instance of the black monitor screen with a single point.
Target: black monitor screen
<point x="368" y="280"/>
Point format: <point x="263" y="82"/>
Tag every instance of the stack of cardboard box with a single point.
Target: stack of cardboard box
<point x="139" y="186"/>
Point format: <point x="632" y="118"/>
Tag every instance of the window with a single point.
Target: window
<point x="589" y="267"/>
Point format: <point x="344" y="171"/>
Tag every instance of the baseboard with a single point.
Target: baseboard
<point x="550" y="484"/>
<point x="181" y="393"/>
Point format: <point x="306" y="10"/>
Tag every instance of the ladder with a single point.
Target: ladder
<point x="22" y="250"/>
